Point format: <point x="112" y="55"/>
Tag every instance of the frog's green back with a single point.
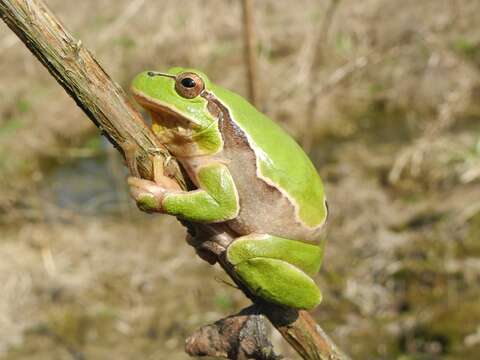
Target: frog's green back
<point x="281" y="159"/>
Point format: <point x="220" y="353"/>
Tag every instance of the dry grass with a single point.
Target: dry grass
<point x="396" y="138"/>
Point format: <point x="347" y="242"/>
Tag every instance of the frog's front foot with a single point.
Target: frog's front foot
<point x="147" y="194"/>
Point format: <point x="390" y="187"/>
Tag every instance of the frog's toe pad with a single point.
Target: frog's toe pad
<point x="279" y="282"/>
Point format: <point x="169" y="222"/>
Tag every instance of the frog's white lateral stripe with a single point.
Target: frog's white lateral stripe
<point x="260" y="155"/>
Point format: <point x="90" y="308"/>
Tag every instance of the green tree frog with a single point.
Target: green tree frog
<point x="249" y="174"/>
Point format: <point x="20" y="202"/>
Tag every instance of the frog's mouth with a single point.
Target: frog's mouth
<point x="163" y="115"/>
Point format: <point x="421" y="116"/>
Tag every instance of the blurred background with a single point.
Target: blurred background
<point x="383" y="94"/>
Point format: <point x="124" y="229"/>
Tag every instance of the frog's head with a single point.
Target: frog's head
<point x="180" y="116"/>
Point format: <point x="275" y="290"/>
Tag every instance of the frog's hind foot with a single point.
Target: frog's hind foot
<point x="278" y="269"/>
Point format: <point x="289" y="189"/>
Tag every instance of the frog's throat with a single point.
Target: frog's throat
<point x="168" y="119"/>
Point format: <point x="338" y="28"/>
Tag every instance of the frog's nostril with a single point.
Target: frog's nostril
<point x="150" y="73"/>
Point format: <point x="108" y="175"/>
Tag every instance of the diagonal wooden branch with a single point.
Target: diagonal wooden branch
<point x="105" y="103"/>
<point x="250" y="49"/>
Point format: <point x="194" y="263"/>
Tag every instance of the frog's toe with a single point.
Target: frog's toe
<point x="147" y="194"/>
<point x="279" y="282"/>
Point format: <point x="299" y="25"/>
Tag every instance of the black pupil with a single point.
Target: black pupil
<point x="188" y="82"/>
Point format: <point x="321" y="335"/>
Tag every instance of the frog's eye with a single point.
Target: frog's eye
<point x="189" y="85"/>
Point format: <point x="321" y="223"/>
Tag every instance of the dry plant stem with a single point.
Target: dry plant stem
<point x="250" y="44"/>
<point x="105" y="103"/>
<point x="317" y="61"/>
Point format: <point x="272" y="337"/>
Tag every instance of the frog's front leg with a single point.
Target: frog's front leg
<point x="278" y="269"/>
<point x="215" y="200"/>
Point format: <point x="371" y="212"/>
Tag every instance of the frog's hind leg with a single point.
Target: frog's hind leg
<point x="278" y="269"/>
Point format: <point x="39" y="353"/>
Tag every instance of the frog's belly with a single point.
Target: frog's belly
<point x="265" y="209"/>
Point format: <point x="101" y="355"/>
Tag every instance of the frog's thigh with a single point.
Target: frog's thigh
<point x="307" y="257"/>
<point x="270" y="274"/>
